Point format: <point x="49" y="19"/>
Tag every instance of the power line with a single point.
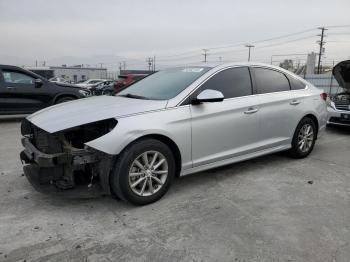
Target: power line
<point x="238" y="44"/>
<point x="337" y="26"/>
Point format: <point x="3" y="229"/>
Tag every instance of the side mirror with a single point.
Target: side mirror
<point x="208" y="95"/>
<point x="38" y="83"/>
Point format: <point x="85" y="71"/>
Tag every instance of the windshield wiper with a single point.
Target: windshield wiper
<point x="134" y="96"/>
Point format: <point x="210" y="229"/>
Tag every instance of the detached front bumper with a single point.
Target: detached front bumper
<point x="61" y="172"/>
<point x="31" y="154"/>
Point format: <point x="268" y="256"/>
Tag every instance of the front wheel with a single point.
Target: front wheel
<point x="143" y="172"/>
<point x="64" y="99"/>
<point x="304" y="138"/>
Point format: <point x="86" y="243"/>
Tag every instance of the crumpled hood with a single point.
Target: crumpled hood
<point x="341" y="73"/>
<point x="88" y="110"/>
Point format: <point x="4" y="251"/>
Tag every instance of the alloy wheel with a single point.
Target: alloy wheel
<point x="148" y="173"/>
<point x="305" y="138"/>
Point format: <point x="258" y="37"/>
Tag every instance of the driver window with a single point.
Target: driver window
<point x="233" y="82"/>
<point x="17" y="78"/>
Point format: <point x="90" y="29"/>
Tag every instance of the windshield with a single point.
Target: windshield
<point x="164" y="84"/>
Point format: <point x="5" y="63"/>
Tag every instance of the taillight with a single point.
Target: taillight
<point x="324" y="96"/>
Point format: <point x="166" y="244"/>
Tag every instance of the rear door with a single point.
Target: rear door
<point x="18" y="93"/>
<point x="273" y="91"/>
<point x="226" y="129"/>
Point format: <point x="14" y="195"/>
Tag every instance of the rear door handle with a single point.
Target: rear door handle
<point x="11" y="87"/>
<point x="294" y="102"/>
<point x="251" y="110"/>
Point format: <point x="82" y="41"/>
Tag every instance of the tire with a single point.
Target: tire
<point x="304" y="138"/>
<point x="64" y="99"/>
<point x="130" y="182"/>
<point x="107" y="93"/>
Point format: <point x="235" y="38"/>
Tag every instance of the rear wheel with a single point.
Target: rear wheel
<point x="304" y="138"/>
<point x="144" y="172"/>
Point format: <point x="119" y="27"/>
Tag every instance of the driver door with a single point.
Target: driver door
<point x="18" y="93"/>
<point x="222" y="130"/>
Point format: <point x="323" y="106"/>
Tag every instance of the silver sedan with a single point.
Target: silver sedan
<point x="175" y="122"/>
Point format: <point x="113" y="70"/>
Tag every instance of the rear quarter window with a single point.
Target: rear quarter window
<point x="270" y="81"/>
<point x="296" y="84"/>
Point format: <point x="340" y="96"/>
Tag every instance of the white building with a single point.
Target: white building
<point x="71" y="73"/>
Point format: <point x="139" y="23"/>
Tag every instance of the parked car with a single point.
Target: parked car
<point x="173" y="123"/>
<point x="103" y="88"/>
<point x="90" y="83"/>
<point x="23" y="92"/>
<point x="339" y="103"/>
<point x="127" y="80"/>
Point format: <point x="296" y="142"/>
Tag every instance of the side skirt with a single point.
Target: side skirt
<point x="235" y="159"/>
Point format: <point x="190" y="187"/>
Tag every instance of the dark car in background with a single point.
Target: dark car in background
<point x="23" y="92"/>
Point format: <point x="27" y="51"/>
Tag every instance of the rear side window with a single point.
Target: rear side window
<point x="233" y="82"/>
<point x="295" y="84"/>
<point x="269" y="81"/>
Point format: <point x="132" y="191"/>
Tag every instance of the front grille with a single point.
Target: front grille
<point x="342" y="105"/>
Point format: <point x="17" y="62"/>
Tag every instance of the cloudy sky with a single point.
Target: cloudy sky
<point x="175" y="31"/>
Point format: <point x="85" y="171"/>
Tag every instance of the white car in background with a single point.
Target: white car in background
<point x="174" y="122"/>
<point x="339" y="103"/>
<point x="90" y="83"/>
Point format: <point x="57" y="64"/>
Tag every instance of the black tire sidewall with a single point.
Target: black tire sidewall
<point x="64" y="99"/>
<point x="120" y="175"/>
<point x="295" y="147"/>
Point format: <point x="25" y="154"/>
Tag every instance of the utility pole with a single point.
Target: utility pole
<point x="249" y="47"/>
<point x="149" y="62"/>
<point x="124" y="65"/>
<point x="321" y="43"/>
<point x="205" y="54"/>
<point x="101" y="64"/>
<point x="154" y="63"/>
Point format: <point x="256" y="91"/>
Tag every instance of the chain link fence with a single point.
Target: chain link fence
<point x="328" y="83"/>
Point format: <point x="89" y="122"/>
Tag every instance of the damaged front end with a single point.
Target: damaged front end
<point x="339" y="103"/>
<point x="60" y="161"/>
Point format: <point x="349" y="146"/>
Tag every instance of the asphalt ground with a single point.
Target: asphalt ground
<point x="268" y="209"/>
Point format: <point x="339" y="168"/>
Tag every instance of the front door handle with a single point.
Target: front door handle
<point x="251" y="110"/>
<point x="294" y="102"/>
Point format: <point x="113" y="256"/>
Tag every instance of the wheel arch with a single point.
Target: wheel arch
<point x="170" y="143"/>
<point x="313" y="118"/>
<point x="58" y="96"/>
